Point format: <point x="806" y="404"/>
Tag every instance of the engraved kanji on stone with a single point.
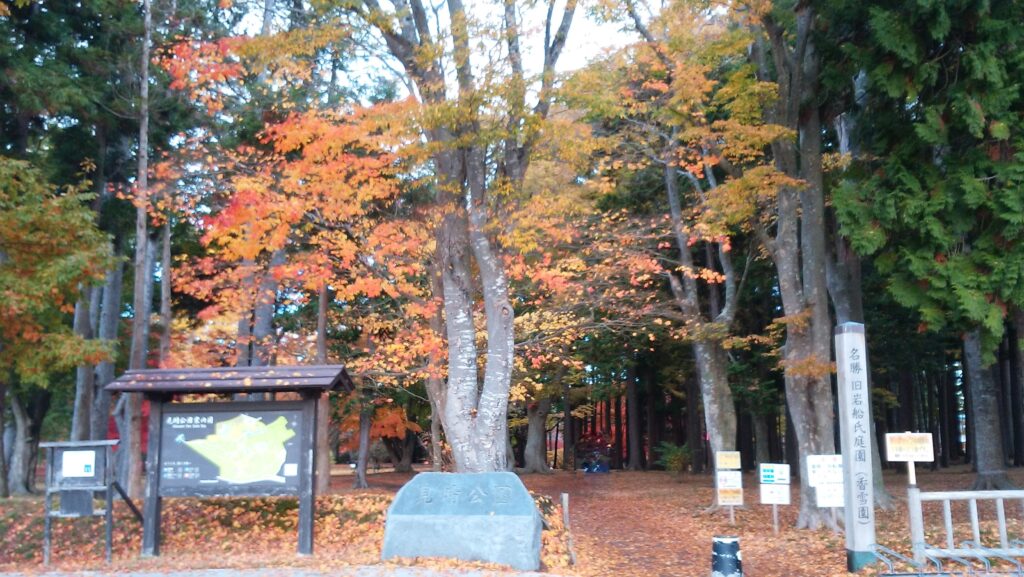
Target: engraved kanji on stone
<point x="502" y="494"/>
<point x="426" y="496"/>
<point x="477" y="495"/>
<point x="451" y="494"/>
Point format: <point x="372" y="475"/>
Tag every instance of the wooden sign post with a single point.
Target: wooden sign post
<point x="231" y="448"/>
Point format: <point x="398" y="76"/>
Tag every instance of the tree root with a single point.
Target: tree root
<point x="992" y="482"/>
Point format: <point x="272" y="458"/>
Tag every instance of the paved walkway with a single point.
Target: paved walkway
<point x="365" y="571"/>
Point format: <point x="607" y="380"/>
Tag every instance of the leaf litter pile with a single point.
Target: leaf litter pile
<point x="622" y="524"/>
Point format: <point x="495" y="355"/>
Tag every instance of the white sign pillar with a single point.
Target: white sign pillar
<point x="855" y="426"/>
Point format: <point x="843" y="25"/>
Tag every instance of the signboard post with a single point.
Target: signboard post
<point x="774" y="488"/>
<point x="75" y="472"/>
<point x="855" y="426"/>
<point x="231" y="448"/>
<point x="729" y="481"/>
<point x="908" y="448"/>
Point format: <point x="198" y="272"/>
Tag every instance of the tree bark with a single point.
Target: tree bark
<point x="400" y="451"/>
<point x="5" y="490"/>
<point x="110" y="316"/>
<point x="323" y="405"/>
<point x="365" y="422"/>
<point x="132" y="438"/>
<point x="85" y="375"/>
<point x="535" y="456"/>
<point x="1017" y="385"/>
<point x="711" y="360"/>
<point x="617" y="432"/>
<point x="633" y="430"/>
<point x="694" y="430"/>
<point x="18" y="467"/>
<point x="263" y="314"/>
<point x="165" y="294"/>
<point x="761" y="448"/>
<point x="981" y="388"/>
<point x="798" y="247"/>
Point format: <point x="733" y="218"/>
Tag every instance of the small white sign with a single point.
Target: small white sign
<point x="727" y="460"/>
<point x="78" y="464"/>
<point x="829" y="495"/>
<point x="774" y="494"/>
<point x="909" y="447"/>
<point x="774" y="473"/>
<point x="824" y="469"/>
<point x="729" y="479"/>
<point x="727" y="497"/>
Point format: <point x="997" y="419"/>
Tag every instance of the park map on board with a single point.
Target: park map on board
<point x="219" y="449"/>
<point x="245" y="449"/>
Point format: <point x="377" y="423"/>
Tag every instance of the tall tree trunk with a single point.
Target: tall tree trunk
<point x="437" y="388"/>
<point x="618" y="432"/>
<point x="1001" y="371"/>
<point x="323" y="404"/>
<point x="945" y="440"/>
<point x="694" y="430"/>
<point x="365" y="422"/>
<point x="132" y="438"/>
<point x="711" y="360"/>
<point x="1017" y="385"/>
<point x="5" y="490"/>
<point x="110" y="316"/>
<point x="569" y="436"/>
<point x="18" y="467"/>
<point x="85" y="375"/>
<point x="535" y="456"/>
<point x="633" y="429"/>
<point x="981" y="388"/>
<point x="263" y="313"/>
<point x="798" y="246"/>
<point x="651" y="421"/>
<point x="165" y="294"/>
<point x="719" y="407"/>
<point x="761" y="447"/>
<point x="400" y="451"/>
<point x="243" y="342"/>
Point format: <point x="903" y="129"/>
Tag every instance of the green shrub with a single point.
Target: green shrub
<point x="674" y="458"/>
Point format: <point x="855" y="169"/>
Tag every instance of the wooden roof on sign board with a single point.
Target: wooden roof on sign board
<point x="235" y="380"/>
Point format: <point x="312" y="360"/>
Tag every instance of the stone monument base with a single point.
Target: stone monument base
<point x="488" y="517"/>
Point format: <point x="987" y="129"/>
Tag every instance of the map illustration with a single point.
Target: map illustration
<point x="245" y="449"/>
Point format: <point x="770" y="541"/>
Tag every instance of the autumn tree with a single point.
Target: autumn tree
<point x="49" y="248"/>
<point x="481" y="130"/>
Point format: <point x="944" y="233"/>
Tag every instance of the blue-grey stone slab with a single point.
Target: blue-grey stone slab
<point x="470" y="516"/>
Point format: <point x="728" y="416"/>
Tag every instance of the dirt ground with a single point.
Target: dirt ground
<point x="655" y="524"/>
<point x="648" y="524"/>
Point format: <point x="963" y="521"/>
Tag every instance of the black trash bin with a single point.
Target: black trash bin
<point x="726" y="560"/>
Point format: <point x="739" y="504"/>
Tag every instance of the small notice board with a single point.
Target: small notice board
<point x="909" y="447"/>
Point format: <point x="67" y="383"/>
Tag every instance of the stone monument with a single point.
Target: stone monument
<point x="487" y="517"/>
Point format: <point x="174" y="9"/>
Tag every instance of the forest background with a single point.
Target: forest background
<point x="646" y="256"/>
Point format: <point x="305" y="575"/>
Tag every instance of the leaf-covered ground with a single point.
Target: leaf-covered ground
<point x="636" y="524"/>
